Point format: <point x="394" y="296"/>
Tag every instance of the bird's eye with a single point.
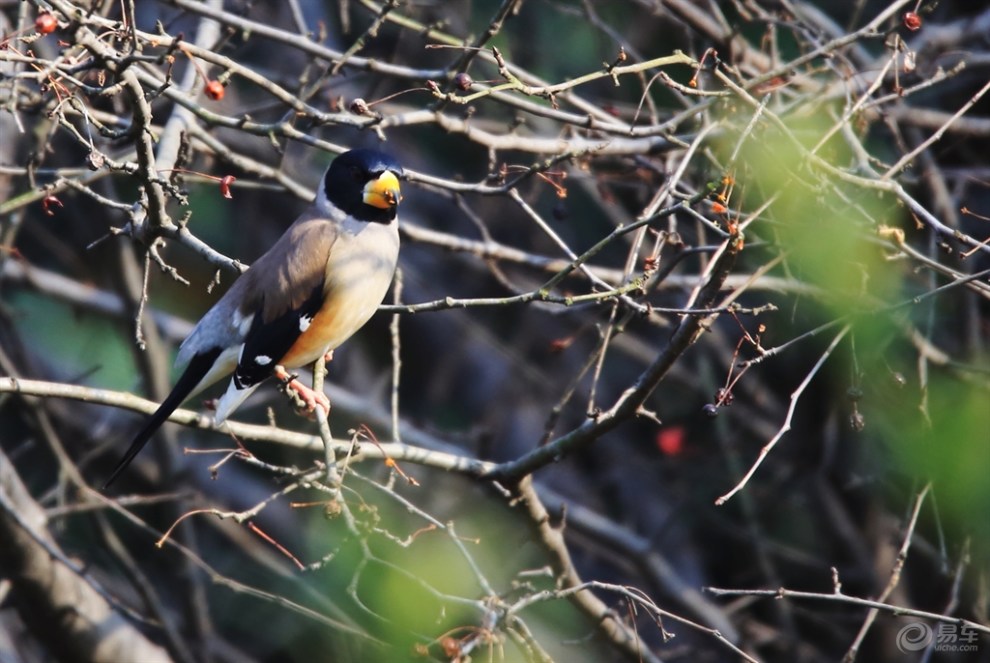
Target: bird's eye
<point x="357" y="174"/>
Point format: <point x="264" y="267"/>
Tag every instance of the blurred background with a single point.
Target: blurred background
<point x="837" y="154"/>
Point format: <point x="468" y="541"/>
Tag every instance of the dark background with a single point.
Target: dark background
<point x="886" y="450"/>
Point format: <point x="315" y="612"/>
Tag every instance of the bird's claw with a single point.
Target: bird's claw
<point x="309" y="398"/>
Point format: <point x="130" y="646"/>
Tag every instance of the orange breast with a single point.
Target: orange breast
<point x="350" y="303"/>
<point x="322" y="335"/>
<point x="358" y="273"/>
<point x="299" y="354"/>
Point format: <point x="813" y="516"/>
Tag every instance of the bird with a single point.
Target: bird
<point x="319" y="283"/>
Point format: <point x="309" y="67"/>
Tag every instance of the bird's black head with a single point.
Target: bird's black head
<point x="364" y="184"/>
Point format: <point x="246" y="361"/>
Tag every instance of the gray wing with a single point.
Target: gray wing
<point x="279" y="283"/>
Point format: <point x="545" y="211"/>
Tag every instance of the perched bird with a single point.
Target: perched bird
<point x="316" y="286"/>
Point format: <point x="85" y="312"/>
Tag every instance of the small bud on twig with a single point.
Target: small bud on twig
<point x="463" y="81"/>
<point x="225" y="183"/>
<point x="48" y="201"/>
<point x="359" y="107"/>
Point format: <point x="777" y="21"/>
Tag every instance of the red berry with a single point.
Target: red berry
<point x="46" y="23"/>
<point x="214" y="90"/>
<point x="670" y="440"/>
<point x="912" y="21"/>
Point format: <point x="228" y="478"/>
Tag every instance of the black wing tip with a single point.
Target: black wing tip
<point x="198" y="367"/>
<point x="141" y="439"/>
<point x="113" y="477"/>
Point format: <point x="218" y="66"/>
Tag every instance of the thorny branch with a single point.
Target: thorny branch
<point x="597" y="242"/>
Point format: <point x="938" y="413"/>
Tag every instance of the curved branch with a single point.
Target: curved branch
<point x="54" y="594"/>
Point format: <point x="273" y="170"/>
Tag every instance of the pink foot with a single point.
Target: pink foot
<point x="309" y="397"/>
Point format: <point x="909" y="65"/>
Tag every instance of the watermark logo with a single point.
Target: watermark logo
<point x="944" y="637"/>
<point x="914" y="637"/>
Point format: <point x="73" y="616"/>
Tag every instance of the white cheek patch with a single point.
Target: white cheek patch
<point x="262" y="360"/>
<point x="304" y="322"/>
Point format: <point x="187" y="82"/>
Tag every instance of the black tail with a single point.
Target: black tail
<point x="198" y="367"/>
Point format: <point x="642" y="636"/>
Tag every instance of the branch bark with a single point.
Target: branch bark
<point x="52" y="594"/>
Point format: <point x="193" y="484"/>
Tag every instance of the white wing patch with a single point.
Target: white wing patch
<point x="262" y="360"/>
<point x="231" y="399"/>
<point x="241" y="322"/>
<point x="304" y="322"/>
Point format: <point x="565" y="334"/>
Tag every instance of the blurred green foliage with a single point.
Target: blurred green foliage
<point x="828" y="234"/>
<point x="945" y="441"/>
<point x="86" y="347"/>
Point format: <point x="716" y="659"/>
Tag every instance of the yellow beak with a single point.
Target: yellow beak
<point x="383" y="192"/>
